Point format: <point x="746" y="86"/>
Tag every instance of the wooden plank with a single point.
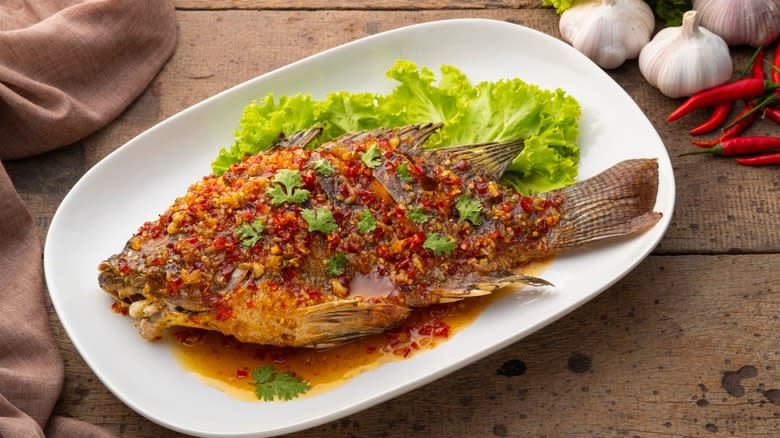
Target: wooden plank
<point x="354" y="4"/>
<point x="720" y="207"/>
<point x="645" y="358"/>
<point x="210" y="58"/>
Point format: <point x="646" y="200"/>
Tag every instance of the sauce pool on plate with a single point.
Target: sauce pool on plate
<point x="227" y="364"/>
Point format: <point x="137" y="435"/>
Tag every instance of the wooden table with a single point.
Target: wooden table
<point x="685" y="345"/>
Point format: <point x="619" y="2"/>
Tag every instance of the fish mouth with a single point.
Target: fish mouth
<point x="119" y="287"/>
<point x="134" y="295"/>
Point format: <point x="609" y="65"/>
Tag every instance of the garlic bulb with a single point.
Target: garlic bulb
<point x="608" y="31"/>
<point x="680" y="61"/>
<point x="752" y="22"/>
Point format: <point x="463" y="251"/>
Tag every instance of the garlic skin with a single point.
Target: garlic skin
<point x="681" y="61"/>
<point x="608" y="31"/>
<point x="752" y="22"/>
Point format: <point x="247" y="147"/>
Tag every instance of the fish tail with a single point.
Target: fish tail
<point x="616" y="202"/>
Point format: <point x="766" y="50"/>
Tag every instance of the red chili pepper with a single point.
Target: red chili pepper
<point x="758" y="64"/>
<point x="761" y="160"/>
<point x="736" y="129"/>
<point x="741" y="146"/>
<point x="776" y="65"/>
<point x="756" y="106"/>
<point x="750" y="66"/>
<point x="741" y="89"/>
<point x="772" y="113"/>
<point x="776" y="68"/>
<point x="717" y="118"/>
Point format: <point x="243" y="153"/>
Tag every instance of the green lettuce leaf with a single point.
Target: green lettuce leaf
<point x="488" y="111"/>
<point x="261" y="124"/>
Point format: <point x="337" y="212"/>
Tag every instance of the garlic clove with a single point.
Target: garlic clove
<point x="608" y="31"/>
<point x="752" y="22"/>
<point x="681" y="61"/>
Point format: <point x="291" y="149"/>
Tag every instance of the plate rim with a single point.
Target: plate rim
<point x="379" y="397"/>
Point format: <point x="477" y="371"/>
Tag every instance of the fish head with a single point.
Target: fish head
<point x="113" y="279"/>
<point x="142" y="291"/>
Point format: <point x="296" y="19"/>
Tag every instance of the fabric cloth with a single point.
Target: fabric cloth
<point x="67" y="68"/>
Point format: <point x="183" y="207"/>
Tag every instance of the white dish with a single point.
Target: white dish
<point x="140" y="179"/>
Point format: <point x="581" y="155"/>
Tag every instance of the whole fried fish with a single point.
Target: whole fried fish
<point x="314" y="248"/>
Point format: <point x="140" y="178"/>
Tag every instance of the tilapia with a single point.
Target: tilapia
<point x="309" y="247"/>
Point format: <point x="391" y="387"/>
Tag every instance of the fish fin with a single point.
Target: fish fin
<point x="331" y="324"/>
<point x="474" y="287"/>
<point x="412" y="136"/>
<point x="488" y="159"/>
<point x="616" y="202"/>
<point x="417" y="134"/>
<point x="301" y="138"/>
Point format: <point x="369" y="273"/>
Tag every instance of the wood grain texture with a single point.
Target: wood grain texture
<point x="720" y="207"/>
<point x="646" y="358"/>
<point x="353" y="4"/>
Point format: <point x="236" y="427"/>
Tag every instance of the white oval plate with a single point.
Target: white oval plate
<point x="140" y="179"/>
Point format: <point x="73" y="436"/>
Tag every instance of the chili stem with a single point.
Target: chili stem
<point x="716" y="150"/>
<point x="750" y="67"/>
<point x="772" y="98"/>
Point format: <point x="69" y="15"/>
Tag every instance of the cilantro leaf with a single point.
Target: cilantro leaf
<point x="469" y="210"/>
<point x="367" y="223"/>
<point x="439" y="244"/>
<point x="372" y="158"/>
<point x="337" y="264"/>
<point x="417" y="215"/>
<point x="320" y="219"/>
<point x="250" y="233"/>
<point x="403" y="172"/>
<point x="271" y="384"/>
<point x="322" y="166"/>
<point x="292" y="181"/>
<point x="670" y="11"/>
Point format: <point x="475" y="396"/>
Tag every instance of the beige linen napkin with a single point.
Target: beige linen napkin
<point x="67" y="67"/>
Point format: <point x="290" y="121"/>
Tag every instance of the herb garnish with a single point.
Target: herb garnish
<point x="367" y="223"/>
<point x="337" y="264"/>
<point x="417" y="215"/>
<point x="372" y="158"/>
<point x="403" y="172"/>
<point x="469" y="210"/>
<point x="320" y="219"/>
<point x="292" y="181"/>
<point x="271" y="383"/>
<point x="250" y="233"/>
<point x="323" y="167"/>
<point x="439" y="244"/>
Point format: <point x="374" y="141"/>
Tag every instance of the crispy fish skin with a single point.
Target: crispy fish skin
<point x="296" y="286"/>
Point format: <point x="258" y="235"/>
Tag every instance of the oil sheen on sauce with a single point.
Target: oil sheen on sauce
<point x="226" y="364"/>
